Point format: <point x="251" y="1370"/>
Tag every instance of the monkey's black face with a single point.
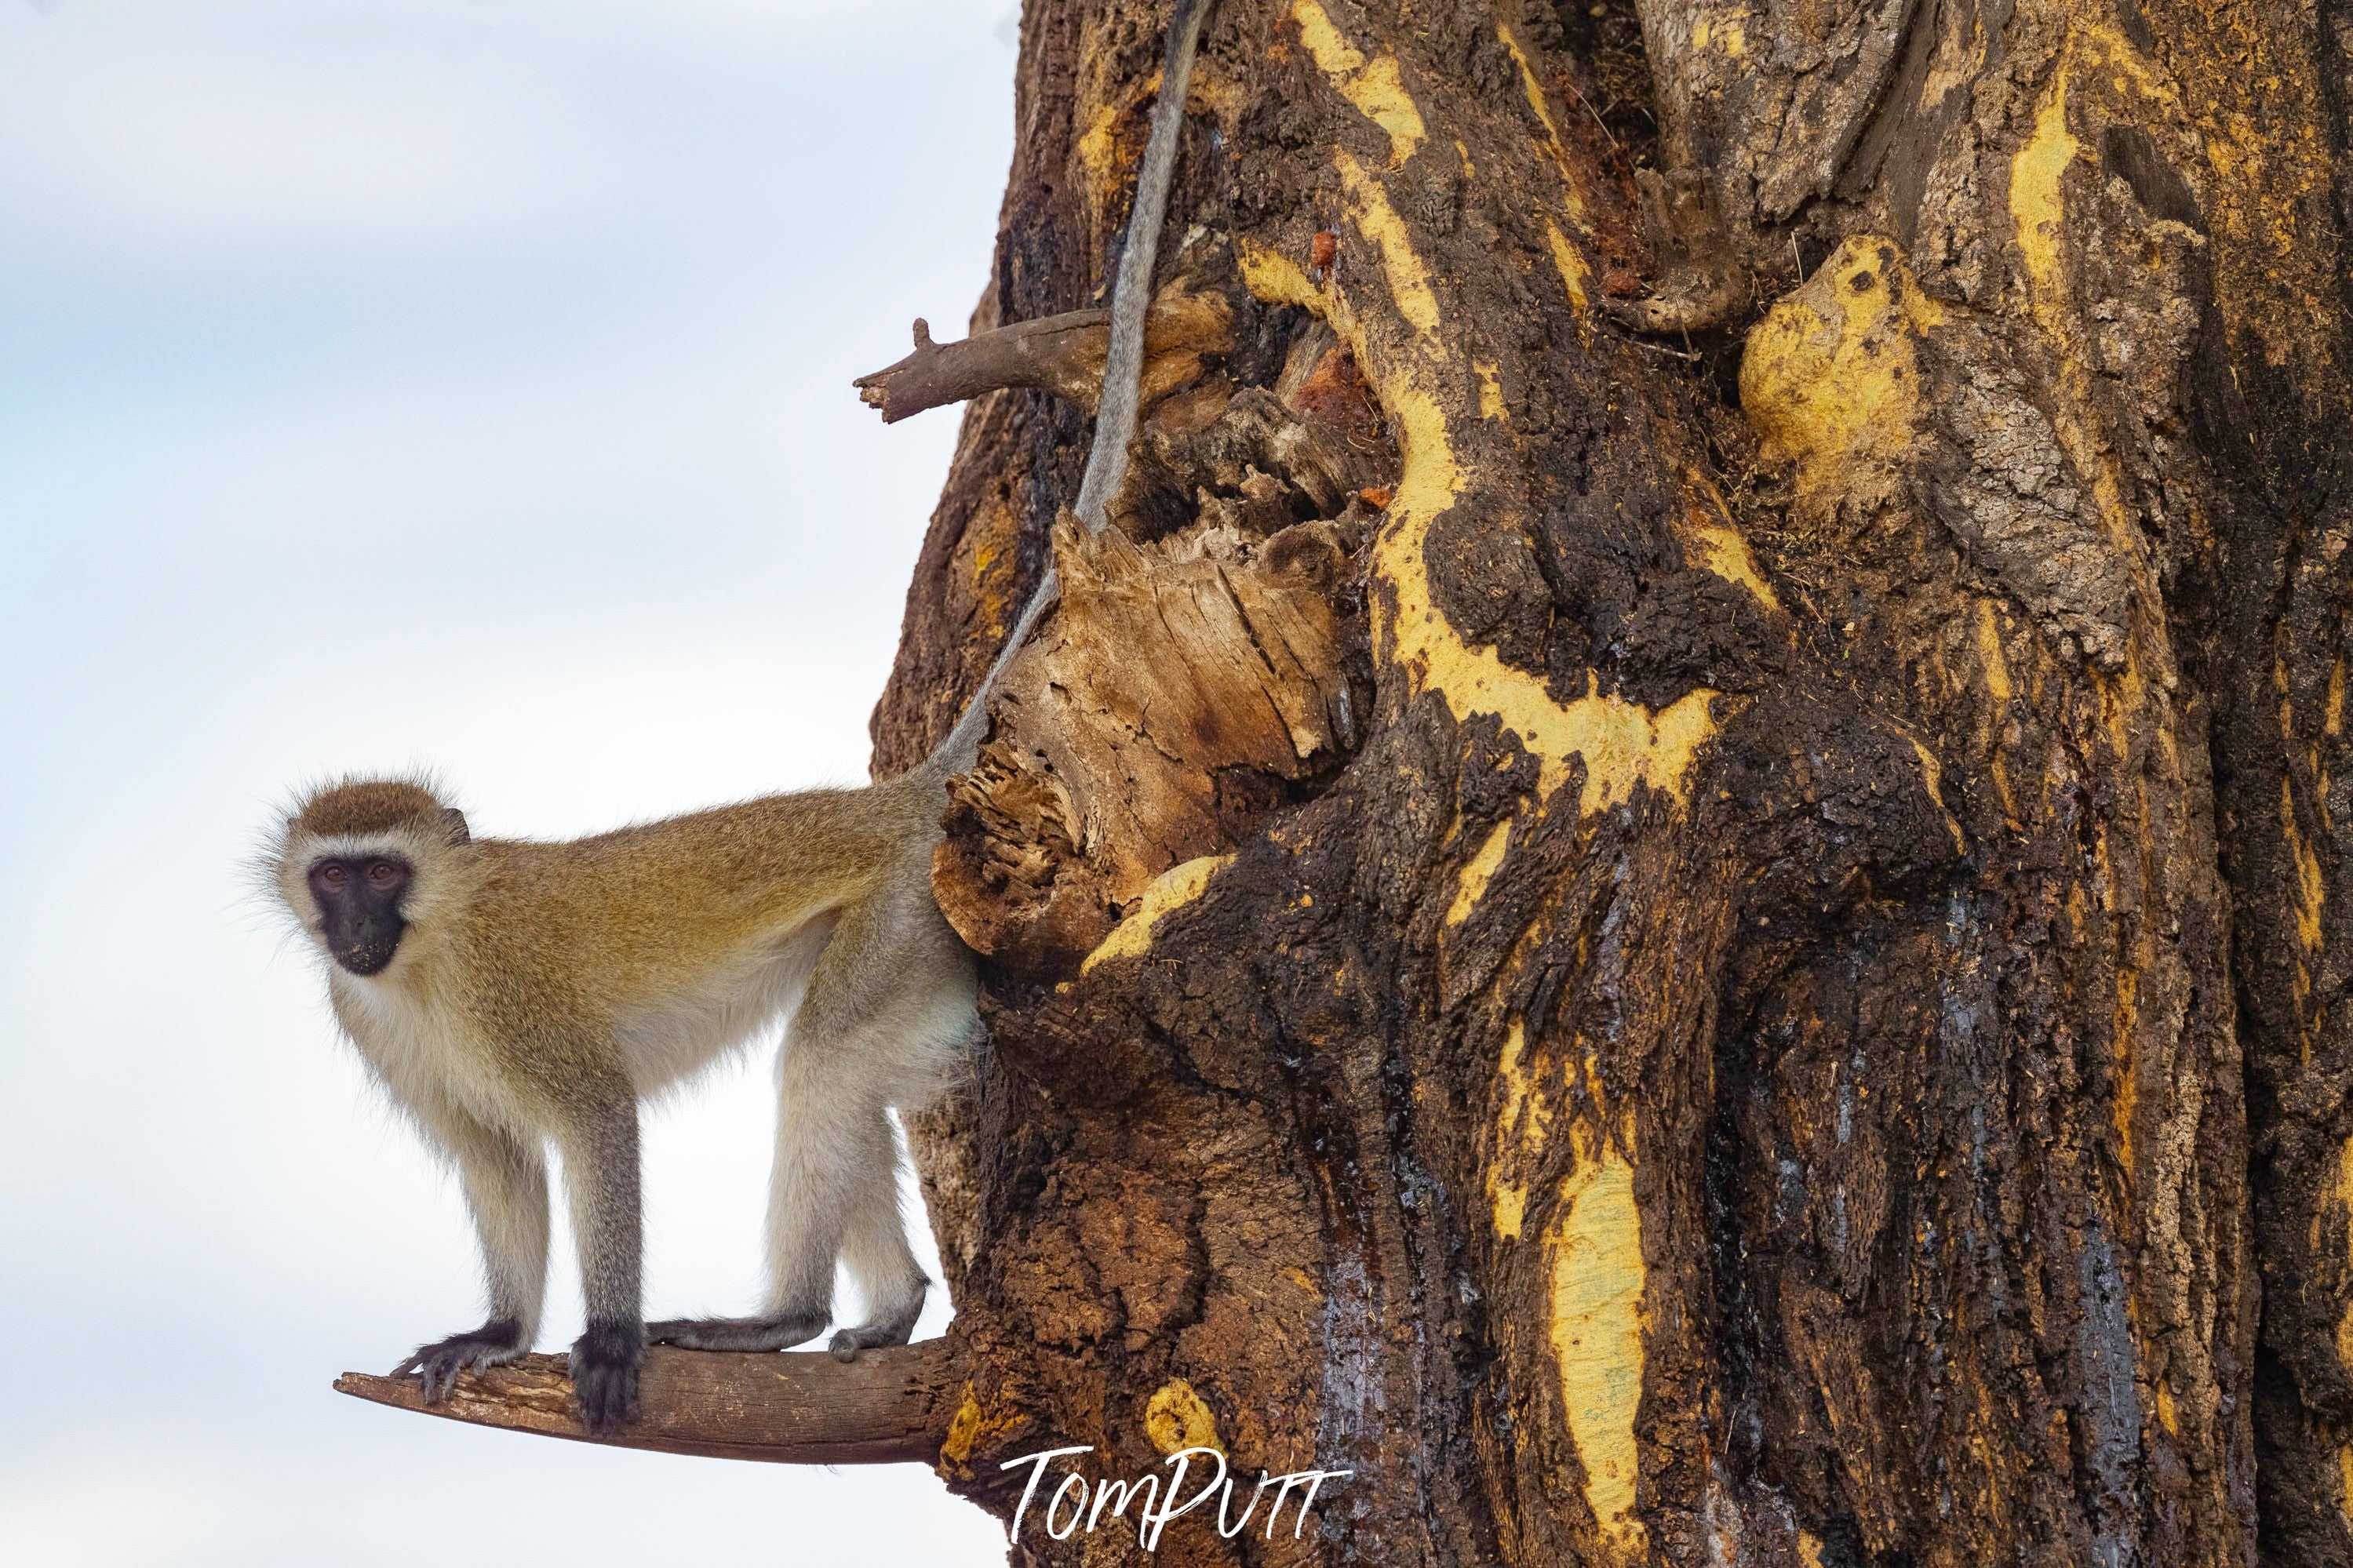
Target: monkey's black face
<point x="359" y="899"/>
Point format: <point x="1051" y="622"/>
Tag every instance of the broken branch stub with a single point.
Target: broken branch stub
<point x="797" y="1407"/>
<point x="1061" y="355"/>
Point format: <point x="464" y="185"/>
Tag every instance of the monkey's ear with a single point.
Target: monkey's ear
<point x="453" y="823"/>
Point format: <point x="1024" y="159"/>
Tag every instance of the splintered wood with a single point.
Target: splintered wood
<point x="1196" y="671"/>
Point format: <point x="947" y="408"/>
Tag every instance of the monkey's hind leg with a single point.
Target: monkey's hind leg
<point x="881" y="1265"/>
<point x="881" y="998"/>
<point x="823" y="1139"/>
<point x="828" y="1134"/>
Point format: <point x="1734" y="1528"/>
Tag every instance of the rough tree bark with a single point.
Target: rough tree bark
<point x="1675" y="886"/>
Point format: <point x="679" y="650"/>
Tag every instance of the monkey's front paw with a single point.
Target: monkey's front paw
<point x="779" y="1333"/>
<point x="500" y="1340"/>
<point x="604" y="1363"/>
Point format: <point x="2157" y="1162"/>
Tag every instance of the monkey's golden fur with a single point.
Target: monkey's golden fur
<point x="561" y="947"/>
<point x="558" y="945"/>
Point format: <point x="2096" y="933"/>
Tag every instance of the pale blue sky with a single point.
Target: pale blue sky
<point x="383" y="383"/>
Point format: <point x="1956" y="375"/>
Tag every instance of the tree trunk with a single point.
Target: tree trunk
<point x="1673" y="886"/>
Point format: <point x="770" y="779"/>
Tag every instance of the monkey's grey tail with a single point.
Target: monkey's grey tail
<point x="961" y="747"/>
<point x="1132" y="295"/>
<point x="1122" y="379"/>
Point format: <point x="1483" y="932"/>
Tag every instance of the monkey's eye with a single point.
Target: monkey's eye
<point x="331" y="874"/>
<point x="384" y="874"/>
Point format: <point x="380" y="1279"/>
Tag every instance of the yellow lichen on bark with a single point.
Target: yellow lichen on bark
<point x="1378" y="222"/>
<point x="985" y="547"/>
<point x="1533" y="87"/>
<point x="1574" y="273"/>
<point x="1372" y="86"/>
<point x="1728" y="34"/>
<point x="1830" y="378"/>
<point x="973" y="1427"/>
<point x="1932" y="774"/>
<point x="2268" y="171"/>
<point x="1176" y="1419"/>
<point x="2310" y="894"/>
<point x="1516" y="1096"/>
<point x="1491" y="393"/>
<point x="1509" y="1201"/>
<point x="1173" y="889"/>
<point x="1989" y="654"/>
<point x="1098" y="145"/>
<point x="1472" y="886"/>
<point x="1724" y="552"/>
<point x="2034" y="176"/>
<point x="1995" y="667"/>
<point x="963" y="1428"/>
<point x="1712" y="542"/>
<point x="1276" y="278"/>
<point x="1594" y="1280"/>
<point x="2037" y="208"/>
<point x="1596" y="1337"/>
<point x="1622" y="742"/>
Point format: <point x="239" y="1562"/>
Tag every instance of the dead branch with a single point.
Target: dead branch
<point x="797" y="1407"/>
<point x="1061" y="355"/>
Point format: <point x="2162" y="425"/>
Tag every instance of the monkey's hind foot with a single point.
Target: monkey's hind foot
<point x="603" y="1365"/>
<point x="777" y="1334"/>
<point x="848" y="1342"/>
<point x="438" y="1363"/>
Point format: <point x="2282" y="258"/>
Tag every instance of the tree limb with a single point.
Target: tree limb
<point x="1061" y="355"/>
<point x="797" y="1407"/>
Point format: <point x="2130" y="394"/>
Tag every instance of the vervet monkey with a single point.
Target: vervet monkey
<point x="512" y="994"/>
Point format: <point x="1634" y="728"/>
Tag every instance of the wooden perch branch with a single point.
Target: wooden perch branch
<point x="1061" y="355"/>
<point x="797" y="1407"/>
